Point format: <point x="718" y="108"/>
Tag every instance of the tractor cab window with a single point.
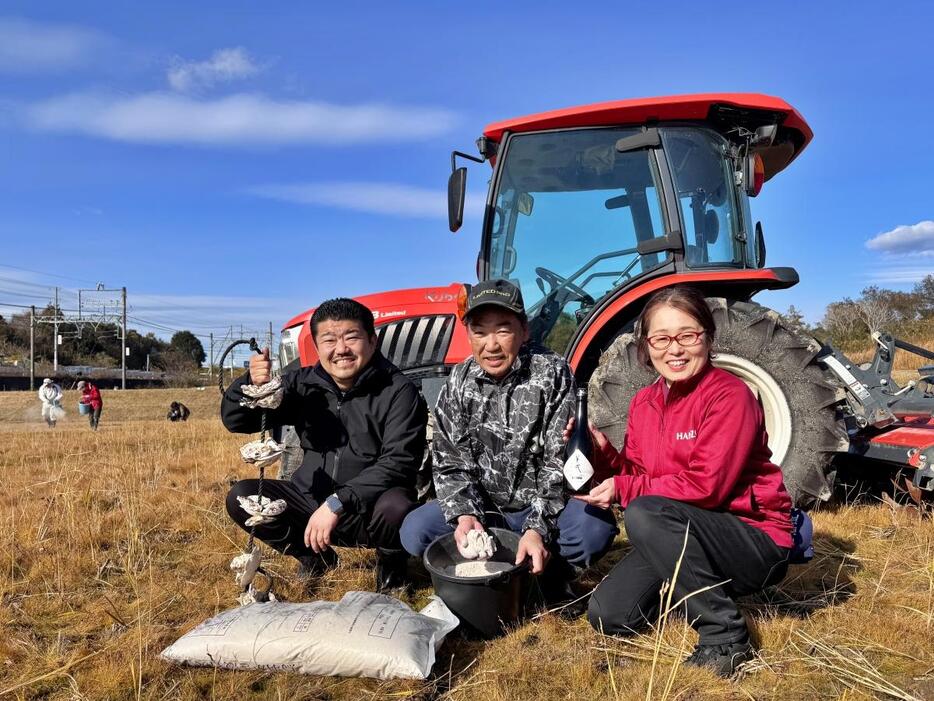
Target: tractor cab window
<point x="569" y="212"/>
<point x="703" y="178"/>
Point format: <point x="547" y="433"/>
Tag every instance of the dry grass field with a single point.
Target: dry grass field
<point x="906" y="364"/>
<point x="115" y="543"/>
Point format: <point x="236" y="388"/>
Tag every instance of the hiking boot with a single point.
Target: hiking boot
<point x="723" y="660"/>
<point x="316" y="564"/>
<point x="392" y="570"/>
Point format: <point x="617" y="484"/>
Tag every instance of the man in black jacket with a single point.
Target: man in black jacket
<point x="361" y="424"/>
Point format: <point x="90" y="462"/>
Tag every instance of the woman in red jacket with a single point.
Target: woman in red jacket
<point x="91" y="396"/>
<point x="693" y="473"/>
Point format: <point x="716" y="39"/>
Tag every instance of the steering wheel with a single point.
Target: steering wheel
<point x="557" y="281"/>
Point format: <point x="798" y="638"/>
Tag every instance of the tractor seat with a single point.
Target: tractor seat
<point x="711" y="226"/>
<point x="699" y="254"/>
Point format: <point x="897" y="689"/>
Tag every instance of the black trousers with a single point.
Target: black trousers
<point x="719" y="547"/>
<point x="378" y="528"/>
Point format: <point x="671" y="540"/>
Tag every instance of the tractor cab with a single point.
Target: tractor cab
<point x="585" y="201"/>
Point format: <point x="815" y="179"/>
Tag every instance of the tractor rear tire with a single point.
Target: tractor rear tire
<point x="778" y="363"/>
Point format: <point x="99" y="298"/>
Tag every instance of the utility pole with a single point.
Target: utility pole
<point x="269" y="345"/>
<point x="55" y="335"/>
<point x="211" y="366"/>
<point x="32" y="347"/>
<point x="123" y="353"/>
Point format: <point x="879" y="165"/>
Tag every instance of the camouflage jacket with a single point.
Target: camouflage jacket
<point x="498" y="446"/>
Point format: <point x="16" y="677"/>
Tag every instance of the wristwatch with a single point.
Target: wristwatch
<point x="334" y="503"/>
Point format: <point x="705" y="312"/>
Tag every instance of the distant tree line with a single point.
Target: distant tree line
<point x="98" y="347"/>
<point x="849" y="323"/>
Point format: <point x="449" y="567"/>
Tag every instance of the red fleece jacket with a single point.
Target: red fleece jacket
<point x="706" y="445"/>
<point x="91" y="395"/>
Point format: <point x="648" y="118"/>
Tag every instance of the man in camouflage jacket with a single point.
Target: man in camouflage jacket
<point x="498" y="449"/>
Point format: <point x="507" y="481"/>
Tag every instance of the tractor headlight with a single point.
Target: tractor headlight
<point x="288" y="345"/>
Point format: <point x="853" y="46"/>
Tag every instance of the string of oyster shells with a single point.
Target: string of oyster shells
<point x="262" y="510"/>
<point x="265" y="396"/>
<point x="261" y="453"/>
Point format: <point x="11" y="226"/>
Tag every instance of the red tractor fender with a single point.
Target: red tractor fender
<point x="758" y="279"/>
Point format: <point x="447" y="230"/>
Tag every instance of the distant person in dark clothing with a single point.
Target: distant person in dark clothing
<point x="91" y="396"/>
<point x="178" y="412"/>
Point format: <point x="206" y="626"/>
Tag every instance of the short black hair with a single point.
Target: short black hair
<point x="342" y="309"/>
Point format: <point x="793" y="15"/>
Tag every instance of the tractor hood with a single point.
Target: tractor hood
<point x="398" y="304"/>
<point x="415" y="327"/>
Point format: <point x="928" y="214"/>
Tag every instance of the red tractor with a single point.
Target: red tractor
<point x="591" y="209"/>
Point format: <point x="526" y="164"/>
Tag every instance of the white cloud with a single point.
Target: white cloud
<point x="27" y="47"/>
<point x="375" y="198"/>
<point x="917" y="239"/>
<point x="237" y="120"/>
<point x="224" y="66"/>
<point x="899" y="276"/>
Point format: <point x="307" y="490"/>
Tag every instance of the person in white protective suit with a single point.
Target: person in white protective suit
<point x="50" y="394"/>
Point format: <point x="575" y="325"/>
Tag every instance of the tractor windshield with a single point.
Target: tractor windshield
<point x="570" y="211"/>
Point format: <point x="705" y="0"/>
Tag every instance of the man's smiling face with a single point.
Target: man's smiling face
<point x="345" y="349"/>
<point x="495" y="338"/>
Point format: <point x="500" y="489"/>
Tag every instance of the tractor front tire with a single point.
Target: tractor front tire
<point x="778" y="363"/>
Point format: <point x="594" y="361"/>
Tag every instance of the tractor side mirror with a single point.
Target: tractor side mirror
<point x="524" y="203"/>
<point x="457" y="194"/>
<point x="760" y="245"/>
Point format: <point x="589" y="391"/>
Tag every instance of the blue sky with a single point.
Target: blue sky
<point x="234" y="164"/>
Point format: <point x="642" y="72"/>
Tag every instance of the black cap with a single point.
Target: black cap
<point x="500" y="293"/>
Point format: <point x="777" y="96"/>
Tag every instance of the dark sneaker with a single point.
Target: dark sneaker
<point x="722" y="660"/>
<point x="316" y="564"/>
<point x="392" y="570"/>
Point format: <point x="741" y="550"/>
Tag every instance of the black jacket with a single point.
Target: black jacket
<point x="357" y="443"/>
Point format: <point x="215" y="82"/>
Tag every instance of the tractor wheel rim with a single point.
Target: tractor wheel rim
<point x="771" y="397"/>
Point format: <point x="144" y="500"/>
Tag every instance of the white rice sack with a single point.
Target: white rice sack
<point x="362" y="635"/>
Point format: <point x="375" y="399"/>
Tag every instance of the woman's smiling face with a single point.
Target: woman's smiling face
<point x="677" y="362"/>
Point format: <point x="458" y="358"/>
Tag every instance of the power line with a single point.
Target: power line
<point x="186" y="323"/>
<point x="163" y="327"/>
<point x="39" y="272"/>
<point x="26" y="294"/>
<point x="25" y="283"/>
<point x="29" y="306"/>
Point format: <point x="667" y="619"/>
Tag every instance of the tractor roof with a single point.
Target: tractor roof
<point x="724" y="110"/>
